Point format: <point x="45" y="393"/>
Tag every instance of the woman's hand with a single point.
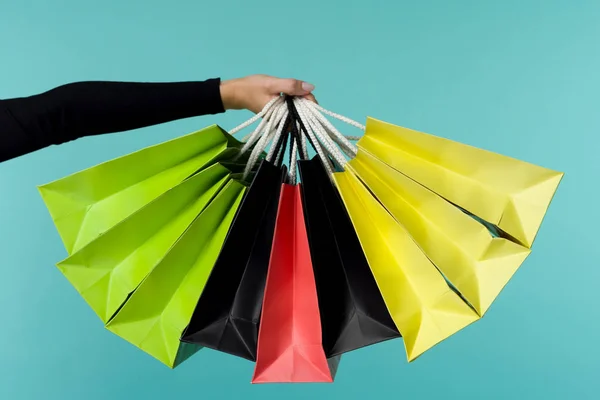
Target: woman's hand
<point x="255" y="91"/>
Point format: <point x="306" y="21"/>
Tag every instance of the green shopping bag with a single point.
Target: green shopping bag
<point x="157" y="313"/>
<point x="108" y="269"/>
<point x="90" y="202"/>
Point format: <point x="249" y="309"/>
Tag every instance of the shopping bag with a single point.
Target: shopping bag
<point x="107" y="270"/>
<point x="353" y="312"/>
<point x="156" y="314"/>
<point x="289" y="341"/>
<point x="88" y="203"/>
<point x="424" y="307"/>
<point x="476" y="263"/>
<point x="511" y="194"/>
<point x="227" y="315"/>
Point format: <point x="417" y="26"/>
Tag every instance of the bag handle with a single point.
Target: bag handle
<point x="340" y="117"/>
<point x="303" y="119"/>
<point x="274" y="122"/>
<point x="256" y="117"/>
<point x="343" y="141"/>
<point x="310" y="135"/>
<point x="336" y="153"/>
<point x="272" y="114"/>
<point x="297" y="130"/>
<point x="299" y="140"/>
<point x="273" y="132"/>
<point x="316" y="137"/>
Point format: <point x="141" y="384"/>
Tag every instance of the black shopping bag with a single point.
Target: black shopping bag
<point x="353" y="313"/>
<point x="227" y="315"/>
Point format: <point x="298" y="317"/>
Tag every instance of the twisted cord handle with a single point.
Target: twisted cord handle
<point x="255" y="118"/>
<point x="309" y="123"/>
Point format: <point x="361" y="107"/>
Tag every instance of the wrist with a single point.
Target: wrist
<point x="230" y="94"/>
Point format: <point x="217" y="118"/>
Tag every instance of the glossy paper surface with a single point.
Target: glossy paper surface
<point x="425" y="309"/>
<point x="289" y="341"/>
<point x="90" y="202"/>
<point x="353" y="313"/>
<point x="155" y="316"/>
<point x="228" y="313"/>
<point x="476" y="263"/>
<point x="513" y="195"/>
<point x="107" y="270"/>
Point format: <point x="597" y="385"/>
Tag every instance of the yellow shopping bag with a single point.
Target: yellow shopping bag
<point x="513" y="195"/>
<point x="475" y="262"/>
<point x="424" y="307"/>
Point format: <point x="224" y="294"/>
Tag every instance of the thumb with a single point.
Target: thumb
<point x="293" y="87"/>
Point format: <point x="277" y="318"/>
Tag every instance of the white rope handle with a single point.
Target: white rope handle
<point x="315" y="142"/>
<point x="254" y="136"/>
<point x="302" y="140"/>
<point x="313" y="139"/>
<point x="340" y="139"/>
<point x="280" y="112"/>
<point x="292" y="173"/>
<point x="252" y="120"/>
<point x="277" y="135"/>
<point x="338" y="116"/>
<point x="321" y="134"/>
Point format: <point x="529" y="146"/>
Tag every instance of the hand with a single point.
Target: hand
<point x="255" y="91"/>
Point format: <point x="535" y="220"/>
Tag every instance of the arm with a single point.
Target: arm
<point x="83" y="109"/>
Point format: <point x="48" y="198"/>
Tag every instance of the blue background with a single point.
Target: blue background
<point x="517" y="77"/>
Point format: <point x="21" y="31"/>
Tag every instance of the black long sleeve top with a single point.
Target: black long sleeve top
<point x="90" y="108"/>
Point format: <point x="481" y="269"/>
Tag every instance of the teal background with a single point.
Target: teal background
<point x="517" y="77"/>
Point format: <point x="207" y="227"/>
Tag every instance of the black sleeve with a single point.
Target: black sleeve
<point x="91" y="108"/>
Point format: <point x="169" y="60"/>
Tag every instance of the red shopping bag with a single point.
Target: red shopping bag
<point x="289" y="340"/>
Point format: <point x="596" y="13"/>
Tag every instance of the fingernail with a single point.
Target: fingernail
<point x="307" y="87"/>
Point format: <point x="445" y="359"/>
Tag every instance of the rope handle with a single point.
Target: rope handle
<point x="255" y="118"/>
<point x="335" y="115"/>
<point x="343" y="141"/>
<point x="310" y="135"/>
<point x="328" y="142"/>
<point x="326" y="157"/>
<point x="273" y="133"/>
<point x="340" y="139"/>
<point x="305" y="121"/>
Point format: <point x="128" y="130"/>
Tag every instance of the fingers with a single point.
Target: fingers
<point x="293" y="87"/>
<point x="311" y="97"/>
